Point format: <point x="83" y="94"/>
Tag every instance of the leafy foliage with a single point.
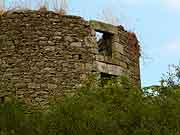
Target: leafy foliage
<point x="172" y="77"/>
<point x="98" y="110"/>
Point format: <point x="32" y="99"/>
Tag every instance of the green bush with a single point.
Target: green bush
<point x="111" y="109"/>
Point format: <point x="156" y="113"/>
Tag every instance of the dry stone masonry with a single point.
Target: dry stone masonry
<point x="44" y="54"/>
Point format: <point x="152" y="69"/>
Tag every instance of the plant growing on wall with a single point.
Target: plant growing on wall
<point x="172" y="76"/>
<point x="2" y="4"/>
<point x="60" y="6"/>
<point x="17" y="5"/>
<point x="108" y="17"/>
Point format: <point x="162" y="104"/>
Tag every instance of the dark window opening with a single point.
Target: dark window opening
<point x="106" y="77"/>
<point x="2" y="99"/>
<point x="104" y="41"/>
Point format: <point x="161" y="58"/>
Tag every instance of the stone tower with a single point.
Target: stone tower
<point x="44" y="54"/>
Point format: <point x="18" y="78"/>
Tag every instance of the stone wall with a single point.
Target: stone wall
<point x="44" y="54"/>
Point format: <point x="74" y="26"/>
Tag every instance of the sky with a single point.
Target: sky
<point x="156" y="23"/>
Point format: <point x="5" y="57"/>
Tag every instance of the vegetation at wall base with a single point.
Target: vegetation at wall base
<point x="98" y="110"/>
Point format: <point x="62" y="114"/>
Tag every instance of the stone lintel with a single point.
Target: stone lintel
<point x="109" y="68"/>
<point x="103" y="27"/>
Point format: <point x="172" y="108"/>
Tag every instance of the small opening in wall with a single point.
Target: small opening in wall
<point x="80" y="57"/>
<point x="99" y="36"/>
<point x="104" y="41"/>
<point x="57" y="54"/>
<point x="2" y="99"/>
<point x="105" y="77"/>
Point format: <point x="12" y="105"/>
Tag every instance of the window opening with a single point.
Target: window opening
<point x="105" y="77"/>
<point x="99" y="36"/>
<point x="104" y="41"/>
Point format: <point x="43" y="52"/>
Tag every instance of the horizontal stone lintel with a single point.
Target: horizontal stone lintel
<point x="103" y="27"/>
<point x="109" y="68"/>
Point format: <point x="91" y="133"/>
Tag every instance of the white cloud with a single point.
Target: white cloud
<point x="129" y="2"/>
<point x="174" y="46"/>
<point x="172" y="4"/>
<point x="172" y="49"/>
<point x="133" y="1"/>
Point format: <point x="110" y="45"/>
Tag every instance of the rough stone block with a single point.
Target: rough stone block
<point x="76" y="44"/>
<point x="52" y="86"/>
<point x="109" y="69"/>
<point x="116" y="47"/>
<point x="49" y="48"/>
<point x="51" y="43"/>
<point x="33" y="86"/>
<point x="57" y="37"/>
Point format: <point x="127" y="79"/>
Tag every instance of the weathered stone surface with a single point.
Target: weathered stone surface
<point x="76" y="44"/>
<point x="109" y="68"/>
<point x="49" y="48"/>
<point x="118" y="48"/>
<point x="33" y="85"/>
<point x="52" y="86"/>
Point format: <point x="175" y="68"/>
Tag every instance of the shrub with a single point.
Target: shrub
<point x="12" y="118"/>
<point x="172" y="77"/>
<point x="98" y="110"/>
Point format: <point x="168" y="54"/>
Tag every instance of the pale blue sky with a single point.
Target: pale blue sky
<point x="156" y="23"/>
